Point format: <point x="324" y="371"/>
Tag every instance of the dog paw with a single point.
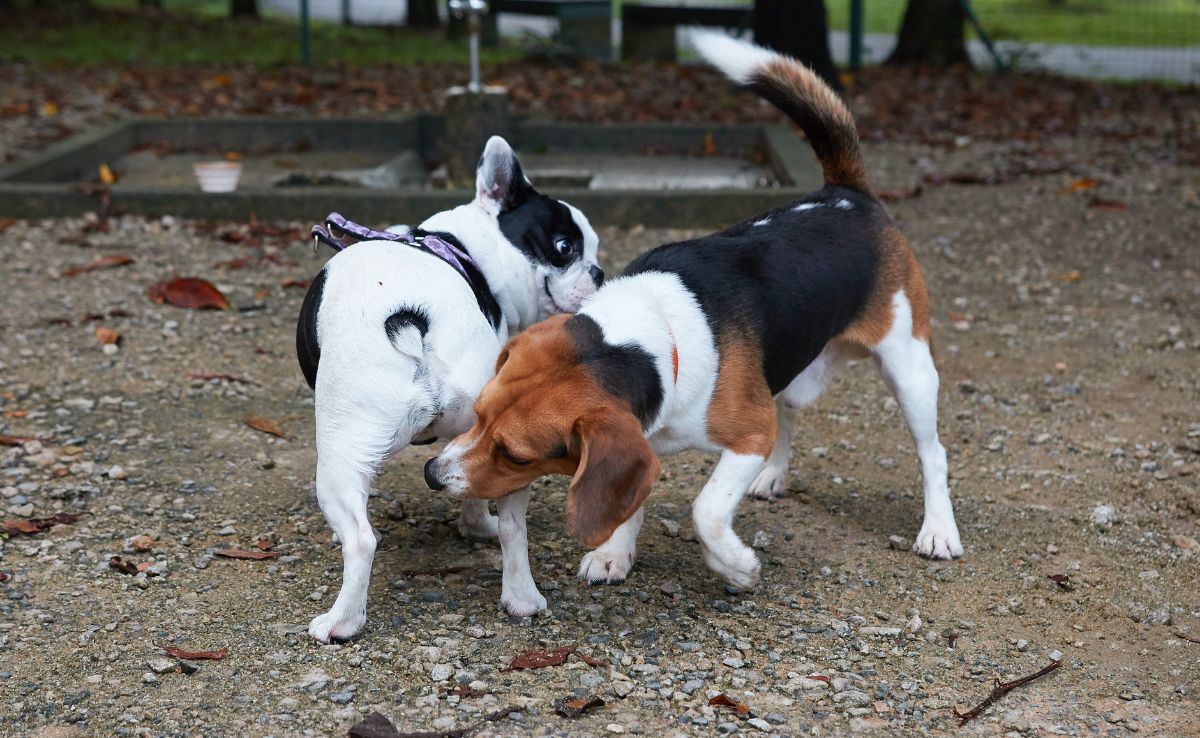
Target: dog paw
<point x="602" y="567"/>
<point x="523" y="605"/>
<point x="770" y="483"/>
<point x="736" y="564"/>
<point x="938" y="540"/>
<point x="334" y="627"/>
<point x="481" y="528"/>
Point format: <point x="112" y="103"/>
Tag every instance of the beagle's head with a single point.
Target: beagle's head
<point x="545" y="412"/>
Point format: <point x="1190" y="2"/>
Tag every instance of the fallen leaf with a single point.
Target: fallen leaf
<point x="232" y="156"/>
<point x="241" y="553"/>
<point x="540" y="658"/>
<point x="297" y="283"/>
<point x="49" y="108"/>
<point x="179" y="653"/>
<point x="16" y="440"/>
<point x="37" y="525"/>
<point x="710" y="146"/>
<point x="1102" y="204"/>
<point x="1072" y="277"/>
<point x="459" y="690"/>
<point x="818" y="677"/>
<point x="107" y="335"/>
<point x="374" y="726"/>
<point x="189" y="292"/>
<point x="125" y="567"/>
<point x="100" y="262"/>
<point x="15" y="413"/>
<point x="107" y="176"/>
<point x="1063" y="581"/>
<point x="142" y="543"/>
<point x="6" y="223"/>
<point x="220" y="80"/>
<point x="576" y="707"/>
<point x="724" y="700"/>
<point x="436" y="572"/>
<point x="1080" y="185"/>
<point x="265" y="425"/>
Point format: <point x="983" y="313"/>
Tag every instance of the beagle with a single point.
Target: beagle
<point x="714" y="344"/>
<point x="397" y="340"/>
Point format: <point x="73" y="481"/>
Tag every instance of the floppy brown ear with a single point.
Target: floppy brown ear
<point x="503" y="357"/>
<point x="616" y="471"/>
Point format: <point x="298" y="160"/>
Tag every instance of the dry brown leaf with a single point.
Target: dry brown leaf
<point x="15" y="413"/>
<point x="107" y="335"/>
<point x="6" y="223"/>
<point x="724" y="700"/>
<point x="189" y="292"/>
<point x="540" y="658"/>
<point x="1081" y="185"/>
<point x="241" y="553"/>
<point x="100" y="262"/>
<point x="179" y="653"/>
<point x="1102" y="204"/>
<point x="16" y="440"/>
<point x="37" y="525"/>
<point x="1072" y="277"/>
<point x="573" y="708"/>
<point x="265" y="425"/>
<point x="125" y="567"/>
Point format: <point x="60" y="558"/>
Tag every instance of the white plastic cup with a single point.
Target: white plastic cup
<point x="217" y="176"/>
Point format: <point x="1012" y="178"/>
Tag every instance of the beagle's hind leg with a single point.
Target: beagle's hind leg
<point x="906" y="364"/>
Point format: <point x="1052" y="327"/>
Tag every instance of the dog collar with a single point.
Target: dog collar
<point x="431" y="243"/>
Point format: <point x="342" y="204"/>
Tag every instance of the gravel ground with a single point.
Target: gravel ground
<point x="1067" y="338"/>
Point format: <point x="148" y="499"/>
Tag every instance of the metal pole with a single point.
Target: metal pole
<point x="856" y="34"/>
<point x="473" y="24"/>
<point x="987" y="41"/>
<point x="305" y="56"/>
<point x="345" y="12"/>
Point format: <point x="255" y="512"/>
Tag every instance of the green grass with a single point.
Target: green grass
<point x="198" y="32"/>
<point x="1096" y="22"/>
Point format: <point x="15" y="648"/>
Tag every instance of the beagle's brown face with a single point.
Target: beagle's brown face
<point x="543" y="413"/>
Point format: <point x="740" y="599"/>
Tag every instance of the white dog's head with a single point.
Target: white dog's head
<point x="557" y="242"/>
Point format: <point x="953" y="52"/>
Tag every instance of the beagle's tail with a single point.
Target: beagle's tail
<point x="801" y="94"/>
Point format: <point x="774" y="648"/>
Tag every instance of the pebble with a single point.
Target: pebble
<point x="341" y="698"/>
<point x="853" y="697"/>
<point x="733" y="662"/>
<point x="440" y="672"/>
<point x="880" y="630"/>
<point x="116" y="472"/>
<point x="162" y="666"/>
<point x="760" y="724"/>
<point x="227" y="531"/>
<point x="1103" y="515"/>
<point x="898" y="543"/>
<point x="670" y="527"/>
<point x="615" y="728"/>
<point x="671" y="587"/>
<point x="1056" y="655"/>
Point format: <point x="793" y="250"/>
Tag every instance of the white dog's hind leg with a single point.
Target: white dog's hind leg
<point x="713" y="512"/>
<point x="342" y="492"/>
<point x="613" y="560"/>
<point x="908" y="370"/>
<point x="476" y="523"/>
<point x="519" y="594"/>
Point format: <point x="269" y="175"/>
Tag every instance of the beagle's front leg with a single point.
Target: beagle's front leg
<point x="519" y="594"/>
<point x="713" y="512"/>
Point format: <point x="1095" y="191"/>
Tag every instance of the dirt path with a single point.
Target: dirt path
<point x="1068" y="341"/>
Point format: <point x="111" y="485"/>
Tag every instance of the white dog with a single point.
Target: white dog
<point x="397" y="339"/>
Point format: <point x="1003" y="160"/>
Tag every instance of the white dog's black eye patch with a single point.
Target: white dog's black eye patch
<point x="536" y="225"/>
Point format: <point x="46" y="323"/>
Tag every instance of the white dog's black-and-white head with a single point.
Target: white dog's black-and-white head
<point x="554" y="239"/>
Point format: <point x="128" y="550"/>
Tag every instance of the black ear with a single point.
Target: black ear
<point x="500" y="183"/>
<point x="616" y="472"/>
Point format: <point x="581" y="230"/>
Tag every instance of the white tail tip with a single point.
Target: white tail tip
<point x="739" y="60"/>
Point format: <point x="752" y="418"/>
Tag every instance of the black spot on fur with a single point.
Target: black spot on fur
<point x="405" y="318"/>
<point x="794" y="283"/>
<point x="308" y="351"/>
<point x="625" y="371"/>
<point x="535" y="223"/>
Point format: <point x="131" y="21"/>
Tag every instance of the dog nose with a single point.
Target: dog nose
<point x="597" y="274"/>
<point x="431" y="477"/>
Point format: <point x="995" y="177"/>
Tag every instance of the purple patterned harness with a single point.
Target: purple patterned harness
<point x="337" y="227"/>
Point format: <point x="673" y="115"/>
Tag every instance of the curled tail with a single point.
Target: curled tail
<point x="801" y="94"/>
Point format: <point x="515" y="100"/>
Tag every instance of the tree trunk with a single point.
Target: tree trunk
<point x="933" y="32"/>
<point x="150" y="4"/>
<point x="243" y="8"/>
<point x="423" y="14"/>
<point x="799" y="29"/>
